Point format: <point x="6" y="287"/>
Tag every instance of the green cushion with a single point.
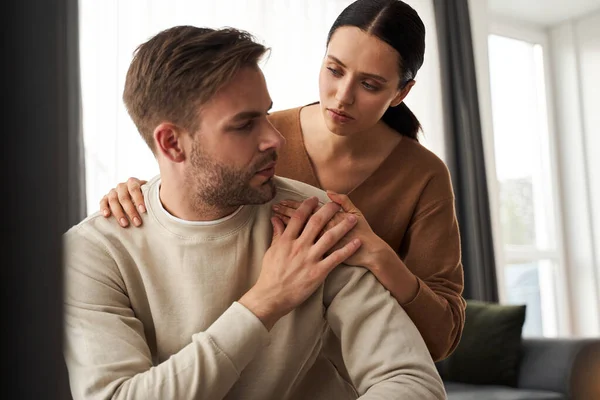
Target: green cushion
<point x="490" y="348"/>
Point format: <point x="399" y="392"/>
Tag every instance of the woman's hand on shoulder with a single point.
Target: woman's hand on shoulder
<point x="125" y="202"/>
<point x="371" y="243"/>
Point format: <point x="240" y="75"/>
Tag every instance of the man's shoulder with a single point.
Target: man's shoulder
<point x="93" y="229"/>
<point x="296" y="190"/>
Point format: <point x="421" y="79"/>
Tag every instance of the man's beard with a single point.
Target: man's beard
<point x="221" y="186"/>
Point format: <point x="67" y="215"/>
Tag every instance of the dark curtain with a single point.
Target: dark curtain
<point x="42" y="188"/>
<point x="76" y="200"/>
<point x="464" y="149"/>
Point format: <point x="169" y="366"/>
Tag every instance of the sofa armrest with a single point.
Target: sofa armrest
<point x="568" y="366"/>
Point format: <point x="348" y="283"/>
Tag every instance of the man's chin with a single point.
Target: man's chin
<point x="261" y="194"/>
<point x="271" y="190"/>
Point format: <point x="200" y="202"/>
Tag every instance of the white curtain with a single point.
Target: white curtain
<point x="295" y="30"/>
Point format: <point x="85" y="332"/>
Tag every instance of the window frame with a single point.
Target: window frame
<point x="553" y="283"/>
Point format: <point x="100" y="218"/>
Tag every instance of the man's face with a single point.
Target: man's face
<point x="233" y="153"/>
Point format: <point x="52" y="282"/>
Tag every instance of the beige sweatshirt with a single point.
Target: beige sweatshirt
<point x="152" y="313"/>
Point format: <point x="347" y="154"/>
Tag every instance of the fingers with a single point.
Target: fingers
<point x="340" y="255"/>
<point x="290" y="204"/>
<point x="116" y="209"/>
<point x="104" y="206"/>
<point x="336" y="219"/>
<point x="285" y="209"/>
<point x="317" y="222"/>
<point x="127" y="203"/>
<point x="135" y="191"/>
<point x="278" y="228"/>
<point x="343" y="200"/>
<point x="330" y="238"/>
<point x="300" y="216"/>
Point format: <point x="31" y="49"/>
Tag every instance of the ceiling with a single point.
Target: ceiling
<point x="543" y="12"/>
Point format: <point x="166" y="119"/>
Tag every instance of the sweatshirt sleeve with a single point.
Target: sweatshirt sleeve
<point x="106" y="351"/>
<point x="431" y="250"/>
<point x="383" y="351"/>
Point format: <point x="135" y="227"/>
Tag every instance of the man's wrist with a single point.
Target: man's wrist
<point x="261" y="308"/>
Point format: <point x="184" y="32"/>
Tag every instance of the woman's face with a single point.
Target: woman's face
<point x="358" y="81"/>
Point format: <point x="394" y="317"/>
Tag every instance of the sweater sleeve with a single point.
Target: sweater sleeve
<point x="105" y="346"/>
<point x="431" y="250"/>
<point x="384" y="354"/>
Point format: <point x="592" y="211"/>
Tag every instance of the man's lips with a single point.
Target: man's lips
<point x="268" y="170"/>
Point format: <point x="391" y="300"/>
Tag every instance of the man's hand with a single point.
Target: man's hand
<point x="298" y="260"/>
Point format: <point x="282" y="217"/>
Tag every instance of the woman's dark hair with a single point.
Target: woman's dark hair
<point x="399" y="25"/>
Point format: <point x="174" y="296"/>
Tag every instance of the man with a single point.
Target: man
<point x="210" y="300"/>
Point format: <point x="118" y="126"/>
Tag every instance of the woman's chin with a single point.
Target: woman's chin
<point x="338" y="129"/>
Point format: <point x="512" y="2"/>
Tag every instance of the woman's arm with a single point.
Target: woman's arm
<point x="425" y="275"/>
<point x="430" y="252"/>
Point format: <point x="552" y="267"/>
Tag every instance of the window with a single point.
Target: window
<point x="526" y="180"/>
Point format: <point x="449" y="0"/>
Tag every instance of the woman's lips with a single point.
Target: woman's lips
<point x="338" y="116"/>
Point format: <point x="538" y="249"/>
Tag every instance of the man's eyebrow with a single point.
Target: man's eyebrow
<point x="249" y="114"/>
<point x="366" y="74"/>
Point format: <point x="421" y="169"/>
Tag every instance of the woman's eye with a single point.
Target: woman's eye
<point x="334" y="71"/>
<point x="370" y="87"/>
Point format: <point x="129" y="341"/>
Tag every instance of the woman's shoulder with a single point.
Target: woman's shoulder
<point x="424" y="161"/>
<point x="422" y="172"/>
<point x="284" y="120"/>
<point x="288" y="120"/>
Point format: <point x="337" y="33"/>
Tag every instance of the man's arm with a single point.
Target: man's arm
<point x="106" y="350"/>
<point x="383" y="351"/>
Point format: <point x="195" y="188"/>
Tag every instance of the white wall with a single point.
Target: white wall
<point x="575" y="53"/>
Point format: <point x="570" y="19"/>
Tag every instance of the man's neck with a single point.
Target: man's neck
<point x="178" y="201"/>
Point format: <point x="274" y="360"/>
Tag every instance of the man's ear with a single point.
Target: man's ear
<point x="168" y="139"/>
<point x="402" y="93"/>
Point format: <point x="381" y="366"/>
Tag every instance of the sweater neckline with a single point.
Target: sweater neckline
<point x="381" y="168"/>
<point x="212" y="230"/>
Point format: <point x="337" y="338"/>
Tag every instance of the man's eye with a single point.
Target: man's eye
<point x="247" y="126"/>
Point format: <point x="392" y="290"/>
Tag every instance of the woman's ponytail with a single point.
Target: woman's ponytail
<point x="402" y="120"/>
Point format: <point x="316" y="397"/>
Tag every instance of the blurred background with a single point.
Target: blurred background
<point x="524" y="159"/>
<point x="537" y="64"/>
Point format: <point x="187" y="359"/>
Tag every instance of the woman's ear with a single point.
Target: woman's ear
<point x="402" y="93"/>
<point x="168" y="142"/>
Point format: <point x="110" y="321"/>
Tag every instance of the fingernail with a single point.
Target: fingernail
<point x="136" y="221"/>
<point x="105" y="212"/>
<point x="123" y="222"/>
<point x="352" y="218"/>
<point x="142" y="208"/>
<point x="276" y="208"/>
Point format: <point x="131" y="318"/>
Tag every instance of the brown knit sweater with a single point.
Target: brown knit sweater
<point x="409" y="202"/>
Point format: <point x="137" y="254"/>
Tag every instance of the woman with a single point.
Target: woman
<point x="359" y="142"/>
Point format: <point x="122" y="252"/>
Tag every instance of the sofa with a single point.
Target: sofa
<point x="494" y="362"/>
<point x="549" y="369"/>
